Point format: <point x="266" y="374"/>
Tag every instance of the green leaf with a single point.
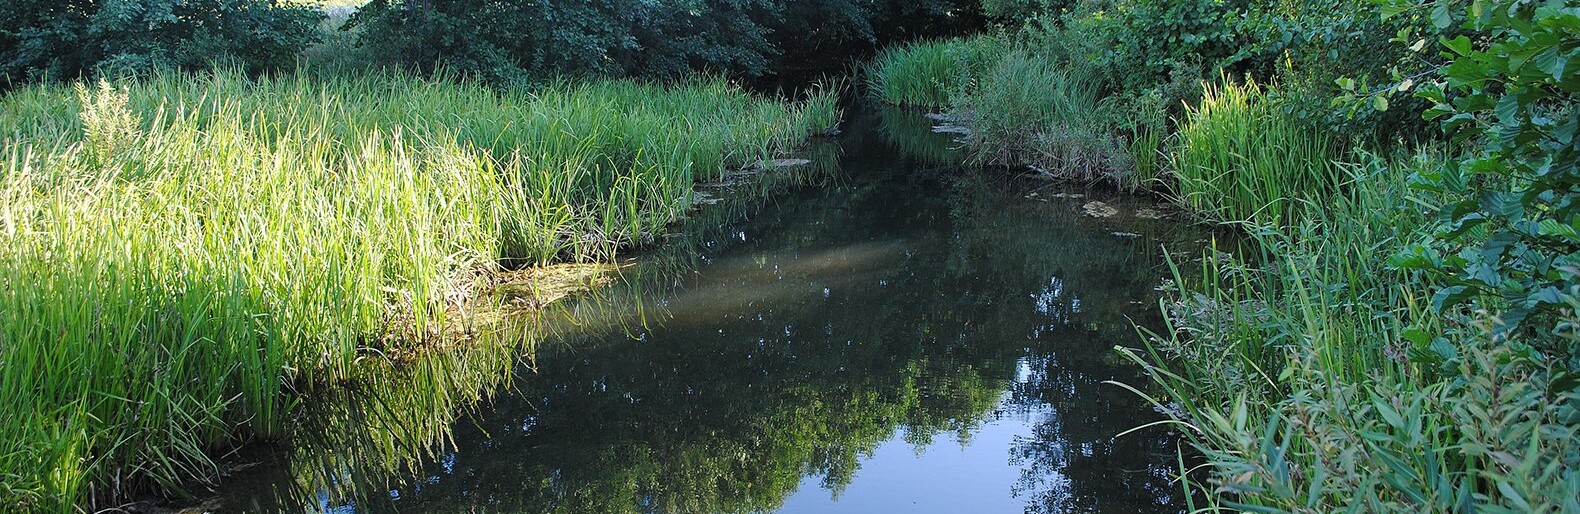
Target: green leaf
<point x="1551" y="227"/>
<point x="1563" y="382"/>
<point x="1391" y="9"/>
<point x="1441" y="17"/>
<point x="1459" y="45"/>
<point x="1417" y="336"/>
<point x="1551" y="62"/>
<point x="1451" y="296"/>
<point x="1388" y="414"/>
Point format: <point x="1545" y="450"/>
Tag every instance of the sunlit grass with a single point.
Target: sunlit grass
<point x="177" y="251"/>
<point x="1238" y="159"/>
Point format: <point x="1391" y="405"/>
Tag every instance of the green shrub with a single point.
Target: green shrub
<point x="1510" y="223"/>
<point x="66" y="39"/>
<point x="1352" y="42"/>
<point x="1017" y="12"/>
<point x="1140" y="44"/>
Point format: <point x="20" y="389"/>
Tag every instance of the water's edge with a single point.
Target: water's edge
<point x="904" y="335"/>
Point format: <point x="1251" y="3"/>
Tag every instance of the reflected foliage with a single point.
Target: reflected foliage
<point x="781" y="345"/>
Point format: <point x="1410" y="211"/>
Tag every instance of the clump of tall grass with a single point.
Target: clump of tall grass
<point x="182" y="249"/>
<point x="1028" y="109"/>
<point x="929" y="74"/>
<point x="1237" y="158"/>
<point x="1018" y="106"/>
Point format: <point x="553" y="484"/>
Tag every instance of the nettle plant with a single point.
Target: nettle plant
<point x="1509" y="234"/>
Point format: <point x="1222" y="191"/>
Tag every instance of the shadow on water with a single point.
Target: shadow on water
<point x="909" y="336"/>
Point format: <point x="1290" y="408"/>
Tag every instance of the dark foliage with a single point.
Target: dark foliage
<point x="68" y="38"/>
<point x="535" y="39"/>
<point x="1510" y="229"/>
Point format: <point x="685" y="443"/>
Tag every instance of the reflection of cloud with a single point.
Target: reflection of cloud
<point x="737" y="284"/>
<point x="781" y="279"/>
<point x="1044" y="459"/>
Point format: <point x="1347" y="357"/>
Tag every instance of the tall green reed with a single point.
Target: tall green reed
<point x="179" y="252"/>
<point x="1301" y="375"/>
<point x="1028" y="109"/>
<point x="1237" y="158"/>
<point x="931" y="73"/>
<point x="1018" y="105"/>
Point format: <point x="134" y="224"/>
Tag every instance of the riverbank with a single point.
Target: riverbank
<point x="851" y="345"/>
<point x="181" y="254"/>
<point x="1340" y="365"/>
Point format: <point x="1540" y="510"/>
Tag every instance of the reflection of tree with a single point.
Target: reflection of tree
<point x="1084" y="287"/>
<point x="911" y="134"/>
<point x="355" y="441"/>
<point x="818" y="327"/>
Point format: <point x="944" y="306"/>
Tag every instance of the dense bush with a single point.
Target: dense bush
<point x="512" y="38"/>
<point x="1018" y="12"/>
<point x="1144" y="43"/>
<point x="68" y="38"/>
<point x="1511" y="221"/>
<point x="1144" y="49"/>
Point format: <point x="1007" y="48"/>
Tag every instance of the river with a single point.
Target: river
<point x="898" y="334"/>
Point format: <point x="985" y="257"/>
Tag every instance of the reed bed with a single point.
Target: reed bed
<point x="178" y="252"/>
<point x="1237" y="158"/>
<point x="1029" y="110"/>
<point x="930" y="73"/>
<point x="1306" y="376"/>
<point x="1012" y="104"/>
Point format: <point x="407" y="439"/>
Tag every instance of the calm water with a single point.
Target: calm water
<point x="909" y="336"/>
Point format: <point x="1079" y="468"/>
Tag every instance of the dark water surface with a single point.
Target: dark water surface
<point x="910" y="336"/>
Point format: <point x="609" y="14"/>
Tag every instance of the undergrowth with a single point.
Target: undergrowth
<point x="1371" y="348"/>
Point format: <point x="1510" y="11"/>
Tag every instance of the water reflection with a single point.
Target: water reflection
<point x="906" y="339"/>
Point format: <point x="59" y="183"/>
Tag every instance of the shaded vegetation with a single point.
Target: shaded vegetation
<point x="524" y="40"/>
<point x="1402" y="337"/>
<point x="62" y="40"/>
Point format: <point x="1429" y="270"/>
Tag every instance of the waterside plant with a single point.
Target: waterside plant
<point x="1399" y="333"/>
<point x="179" y="254"/>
